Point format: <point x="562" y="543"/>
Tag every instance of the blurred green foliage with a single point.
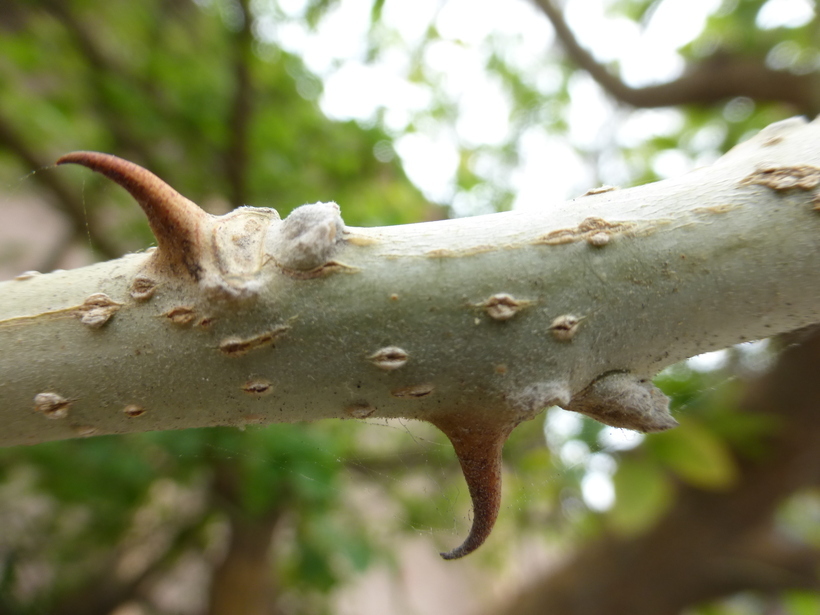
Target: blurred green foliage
<point x="185" y="89"/>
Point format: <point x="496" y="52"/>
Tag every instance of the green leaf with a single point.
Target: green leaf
<point x="802" y="603"/>
<point x="695" y="455"/>
<point x="642" y="494"/>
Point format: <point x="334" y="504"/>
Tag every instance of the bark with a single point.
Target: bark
<point x="473" y="324"/>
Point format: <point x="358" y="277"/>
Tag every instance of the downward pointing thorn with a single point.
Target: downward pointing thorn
<point x="178" y="224"/>
<point x="478" y="448"/>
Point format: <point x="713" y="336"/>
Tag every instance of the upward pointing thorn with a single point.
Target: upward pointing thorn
<point x="178" y="224"/>
<point x="478" y="448"/>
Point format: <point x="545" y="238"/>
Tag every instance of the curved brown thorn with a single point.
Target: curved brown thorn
<point x="178" y="224"/>
<point x="478" y="448"/>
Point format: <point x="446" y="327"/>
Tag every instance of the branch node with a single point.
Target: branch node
<point x="308" y="238"/>
<point x="620" y="399"/>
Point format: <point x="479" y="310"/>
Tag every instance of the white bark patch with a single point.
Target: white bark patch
<point x="413" y="392"/>
<point x="237" y="346"/>
<point x="27" y="275"/>
<point x="52" y="405"/>
<point x="471" y="251"/>
<point x="588" y="228"/>
<point x="598" y="240"/>
<point x="389" y="358"/>
<point x="600" y="190"/>
<point x="252" y="419"/>
<point x="181" y="315"/>
<point x="502" y="306"/>
<point x="360" y="410"/>
<point x="780" y="179"/>
<point x="723" y="208"/>
<point x="257" y="387"/>
<point x="308" y="238"/>
<point x="143" y="288"/>
<point x="802" y="177"/>
<point x="132" y="411"/>
<point x="97" y="310"/>
<point x="322" y="271"/>
<point x="565" y="327"/>
<point x="84" y="431"/>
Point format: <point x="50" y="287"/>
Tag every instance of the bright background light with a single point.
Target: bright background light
<point x="384" y="89"/>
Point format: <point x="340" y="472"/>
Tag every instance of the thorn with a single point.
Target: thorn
<point x="178" y="224"/>
<point x="478" y="448"/>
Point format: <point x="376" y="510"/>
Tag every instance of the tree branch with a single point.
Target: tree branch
<point x="243" y="582"/>
<point x="236" y="155"/>
<point x="711" y="81"/>
<point x="473" y="325"/>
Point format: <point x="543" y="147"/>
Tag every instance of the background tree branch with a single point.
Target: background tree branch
<point x="237" y="161"/>
<point x="707" y="82"/>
